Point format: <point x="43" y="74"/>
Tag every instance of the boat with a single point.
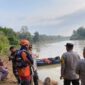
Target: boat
<point x="48" y="61"/>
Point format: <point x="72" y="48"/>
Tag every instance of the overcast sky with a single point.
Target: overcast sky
<point x="55" y="17"/>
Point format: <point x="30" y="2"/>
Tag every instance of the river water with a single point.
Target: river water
<point x="53" y="50"/>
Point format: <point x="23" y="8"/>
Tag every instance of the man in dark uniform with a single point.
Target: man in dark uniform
<point x="12" y="58"/>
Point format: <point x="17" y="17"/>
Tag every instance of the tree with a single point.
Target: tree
<point x="36" y="37"/>
<point x="79" y="34"/>
<point x="4" y="43"/>
<point x="24" y="29"/>
<point x="25" y="34"/>
<point x="11" y="35"/>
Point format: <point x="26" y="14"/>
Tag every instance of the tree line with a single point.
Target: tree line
<point x="78" y="34"/>
<point x="9" y="37"/>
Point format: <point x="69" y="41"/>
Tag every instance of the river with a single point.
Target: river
<point x="53" y="50"/>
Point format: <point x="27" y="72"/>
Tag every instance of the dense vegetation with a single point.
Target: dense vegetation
<point x="79" y="34"/>
<point x="9" y="37"/>
<point x="4" y="43"/>
<point x="10" y="34"/>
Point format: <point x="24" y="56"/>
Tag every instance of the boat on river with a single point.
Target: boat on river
<point x="48" y="61"/>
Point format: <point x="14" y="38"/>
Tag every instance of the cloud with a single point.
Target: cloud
<point x="55" y="25"/>
<point x="64" y="24"/>
<point x="60" y="15"/>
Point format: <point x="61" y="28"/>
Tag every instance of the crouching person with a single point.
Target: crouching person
<point x="49" y="81"/>
<point x="3" y="71"/>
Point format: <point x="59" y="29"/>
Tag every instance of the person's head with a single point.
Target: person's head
<point x="84" y="52"/>
<point x="12" y="49"/>
<point x="47" y="81"/>
<point x="25" y="43"/>
<point x="30" y="47"/>
<point x="69" y="46"/>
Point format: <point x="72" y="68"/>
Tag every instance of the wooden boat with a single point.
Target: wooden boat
<point x="48" y="61"/>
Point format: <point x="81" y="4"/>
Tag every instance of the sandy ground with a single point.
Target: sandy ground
<point x="13" y="83"/>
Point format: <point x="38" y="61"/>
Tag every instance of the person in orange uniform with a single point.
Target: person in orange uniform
<point x="24" y="61"/>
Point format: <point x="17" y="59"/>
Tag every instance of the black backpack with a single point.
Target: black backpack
<point x="20" y="63"/>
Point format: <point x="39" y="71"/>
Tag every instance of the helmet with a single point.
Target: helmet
<point x="24" y="42"/>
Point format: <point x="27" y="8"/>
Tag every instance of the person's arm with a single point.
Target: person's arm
<point x="30" y="58"/>
<point x="27" y="58"/>
<point x="78" y="68"/>
<point x="10" y="57"/>
<point x="79" y="57"/>
<point x="62" y="66"/>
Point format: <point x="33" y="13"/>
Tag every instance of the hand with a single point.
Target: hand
<point x="61" y="77"/>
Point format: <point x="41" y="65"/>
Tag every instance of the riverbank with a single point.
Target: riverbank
<point x="10" y="78"/>
<point x="13" y="83"/>
<point x="8" y="83"/>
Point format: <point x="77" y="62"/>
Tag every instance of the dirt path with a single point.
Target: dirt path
<point x="8" y="83"/>
<point x="13" y="83"/>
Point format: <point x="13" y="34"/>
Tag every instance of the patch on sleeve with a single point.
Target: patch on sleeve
<point x="62" y="60"/>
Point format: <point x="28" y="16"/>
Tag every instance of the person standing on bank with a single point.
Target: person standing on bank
<point x="34" y="66"/>
<point x="24" y="62"/>
<point x="80" y="69"/>
<point x="12" y="56"/>
<point x="69" y="62"/>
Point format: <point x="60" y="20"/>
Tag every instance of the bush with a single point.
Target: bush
<point x="4" y="44"/>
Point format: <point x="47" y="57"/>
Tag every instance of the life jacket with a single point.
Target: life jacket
<point x="22" y="63"/>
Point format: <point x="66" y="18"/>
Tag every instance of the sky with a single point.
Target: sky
<point x="51" y="17"/>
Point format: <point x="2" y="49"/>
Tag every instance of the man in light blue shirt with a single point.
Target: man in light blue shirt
<point x="69" y="62"/>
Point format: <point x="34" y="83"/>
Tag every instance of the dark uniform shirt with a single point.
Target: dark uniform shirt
<point x="12" y="58"/>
